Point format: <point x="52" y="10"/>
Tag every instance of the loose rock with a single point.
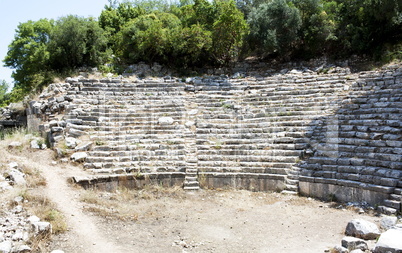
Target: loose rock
<point x="388" y="222"/>
<point x="352" y="243"/>
<point x="389" y="242"/>
<point x="362" y="229"/>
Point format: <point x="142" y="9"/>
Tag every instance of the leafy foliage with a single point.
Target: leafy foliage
<point x="274" y="27"/>
<point x="4" y="96"/>
<point x="76" y="42"/>
<point x="28" y="54"/>
<point x="194" y="33"/>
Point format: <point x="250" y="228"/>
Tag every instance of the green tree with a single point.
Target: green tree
<point x="147" y="38"/>
<point x="365" y="26"/>
<point x="191" y="46"/>
<point x="228" y="31"/>
<point x="4" y="95"/>
<point x="28" y="55"/>
<point x="77" y="42"/>
<point x="317" y="29"/>
<point x="274" y="27"/>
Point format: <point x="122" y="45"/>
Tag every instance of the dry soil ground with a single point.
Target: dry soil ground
<point x="171" y="220"/>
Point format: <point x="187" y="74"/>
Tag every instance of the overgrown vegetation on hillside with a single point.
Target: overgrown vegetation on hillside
<point x="194" y="33"/>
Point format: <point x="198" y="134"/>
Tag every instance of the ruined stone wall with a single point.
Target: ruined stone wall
<point x="321" y="134"/>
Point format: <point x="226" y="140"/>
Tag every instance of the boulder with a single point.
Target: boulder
<point x="165" y="120"/>
<point x="388" y="222"/>
<point x="389" y="242"/>
<point x="79" y="157"/>
<point x="362" y="229"/>
<point x="352" y="243"/>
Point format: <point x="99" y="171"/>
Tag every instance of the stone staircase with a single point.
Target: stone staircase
<point x="286" y="132"/>
<point x="360" y="146"/>
<point x="215" y="127"/>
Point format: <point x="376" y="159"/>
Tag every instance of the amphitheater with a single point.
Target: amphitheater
<point x="334" y="135"/>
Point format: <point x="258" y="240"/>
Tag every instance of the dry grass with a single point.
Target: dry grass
<point x="41" y="206"/>
<point x="155" y="201"/>
<point x="127" y="204"/>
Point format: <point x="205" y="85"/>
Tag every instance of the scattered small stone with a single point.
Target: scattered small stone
<point x="57" y="251"/>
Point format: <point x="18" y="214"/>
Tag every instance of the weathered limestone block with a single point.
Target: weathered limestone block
<point x="387" y="222"/>
<point x="352" y="243"/>
<point x="79" y="157"/>
<point x="362" y="229"/>
<point x="389" y="241"/>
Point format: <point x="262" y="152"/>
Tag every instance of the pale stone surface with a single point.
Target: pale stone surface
<point x="389" y="242"/>
<point x="165" y="120"/>
<point x="388" y="222"/>
<point x="34" y="144"/>
<point x="41" y="227"/>
<point x="79" y="156"/>
<point x="13" y="165"/>
<point x="339" y="249"/>
<point x="357" y="251"/>
<point x="14" y="144"/>
<point x="17" y="177"/>
<point x="5" y="247"/>
<point x="362" y="229"/>
<point x="71" y="142"/>
<point x="84" y="146"/>
<point x="352" y="243"/>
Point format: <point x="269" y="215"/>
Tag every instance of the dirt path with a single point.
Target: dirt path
<point x="205" y="221"/>
<point x="84" y="234"/>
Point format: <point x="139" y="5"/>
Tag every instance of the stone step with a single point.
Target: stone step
<point x="395" y="197"/>
<point x="289" y="192"/>
<point x="387" y="210"/>
<point x="191" y="188"/>
<point x="398" y="191"/>
<point x="393" y="204"/>
<point x="191" y="183"/>
<point x="190" y="178"/>
<point x="292" y="182"/>
<point x="291" y="187"/>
